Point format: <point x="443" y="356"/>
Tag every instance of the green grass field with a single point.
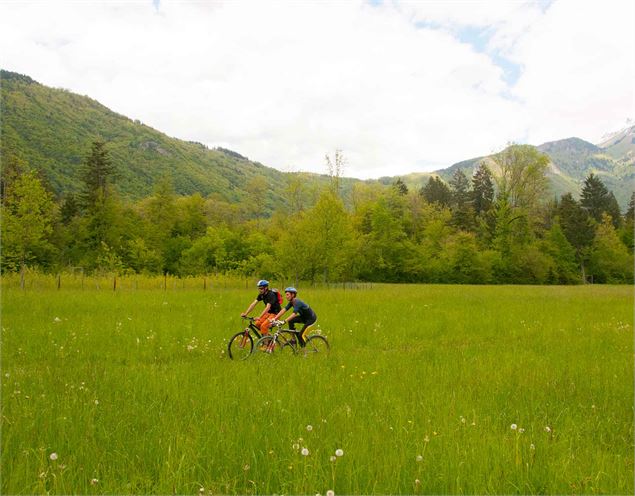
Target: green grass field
<point x="427" y="390"/>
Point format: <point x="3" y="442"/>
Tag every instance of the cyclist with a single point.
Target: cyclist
<point x="272" y="306"/>
<point x="302" y="313"/>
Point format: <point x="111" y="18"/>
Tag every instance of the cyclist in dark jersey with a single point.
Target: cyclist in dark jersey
<point x="272" y="306"/>
<point x="302" y="313"/>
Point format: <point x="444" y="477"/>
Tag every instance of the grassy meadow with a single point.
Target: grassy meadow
<point x="427" y="390"/>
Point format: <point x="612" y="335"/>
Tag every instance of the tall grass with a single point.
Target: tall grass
<point x="133" y="392"/>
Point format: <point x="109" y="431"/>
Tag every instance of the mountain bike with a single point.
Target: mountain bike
<point x="288" y="341"/>
<point x="241" y="344"/>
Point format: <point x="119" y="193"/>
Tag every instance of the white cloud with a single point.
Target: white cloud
<point x="286" y="82"/>
<point x="579" y="70"/>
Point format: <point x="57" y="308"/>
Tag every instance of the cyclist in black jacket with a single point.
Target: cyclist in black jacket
<point x="302" y="313"/>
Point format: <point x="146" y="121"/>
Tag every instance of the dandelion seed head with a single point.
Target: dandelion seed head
<point x="548" y="429"/>
<point x="246" y="467"/>
<point x="513" y="427"/>
<point x="521" y="430"/>
<point x="330" y="492"/>
<point x="419" y="458"/>
<point x="333" y="458"/>
<point x="309" y="428"/>
<point x="296" y="446"/>
<point x="339" y="452"/>
<point x="532" y="446"/>
<point x="305" y="452"/>
<point x="53" y="456"/>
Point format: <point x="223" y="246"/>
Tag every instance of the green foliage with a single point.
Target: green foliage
<point x="436" y="191"/>
<point x="28" y="214"/>
<point x="134" y="200"/>
<point x="610" y="260"/>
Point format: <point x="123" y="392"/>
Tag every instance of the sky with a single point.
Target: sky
<point x="396" y="86"/>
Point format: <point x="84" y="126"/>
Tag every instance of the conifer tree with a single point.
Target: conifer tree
<point x="596" y="199"/>
<point x="462" y="210"/>
<point x="436" y="191"/>
<point x="577" y="227"/>
<point x="482" y="190"/>
<point x="97" y="174"/>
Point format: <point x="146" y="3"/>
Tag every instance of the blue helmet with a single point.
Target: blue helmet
<point x="291" y="289"/>
<point x="262" y="283"/>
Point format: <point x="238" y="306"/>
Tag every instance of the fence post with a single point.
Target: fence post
<point x="59" y="281"/>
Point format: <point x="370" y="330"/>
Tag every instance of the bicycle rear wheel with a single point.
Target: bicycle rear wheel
<point x="240" y="346"/>
<point x="316" y="344"/>
<point x="267" y="345"/>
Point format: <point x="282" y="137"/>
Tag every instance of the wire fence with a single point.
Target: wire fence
<point x="31" y="280"/>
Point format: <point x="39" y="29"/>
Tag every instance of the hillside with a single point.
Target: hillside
<point x="572" y="160"/>
<point x="52" y="130"/>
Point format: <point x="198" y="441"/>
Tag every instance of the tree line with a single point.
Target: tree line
<point x="485" y="229"/>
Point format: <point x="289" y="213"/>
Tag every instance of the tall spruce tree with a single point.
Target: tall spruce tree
<point x="596" y="199"/>
<point x="482" y="190"/>
<point x="462" y="210"/>
<point x="436" y="191"/>
<point x="97" y="174"/>
<point x="577" y="227"/>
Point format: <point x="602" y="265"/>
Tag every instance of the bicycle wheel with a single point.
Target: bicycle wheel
<point x="267" y="345"/>
<point x="316" y="344"/>
<point x="240" y="346"/>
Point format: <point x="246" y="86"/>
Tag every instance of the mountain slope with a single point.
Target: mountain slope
<point x="52" y="130"/>
<point x="572" y="160"/>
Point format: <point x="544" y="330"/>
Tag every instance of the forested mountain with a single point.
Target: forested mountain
<point x="84" y="187"/>
<point x="572" y="160"/>
<point x="52" y="130"/>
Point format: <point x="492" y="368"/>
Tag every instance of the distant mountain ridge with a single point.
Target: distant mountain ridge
<point x="52" y="130"/>
<point x="572" y="160"/>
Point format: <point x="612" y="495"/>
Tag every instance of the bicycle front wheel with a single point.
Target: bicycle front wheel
<point x="240" y="346"/>
<point x="316" y="344"/>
